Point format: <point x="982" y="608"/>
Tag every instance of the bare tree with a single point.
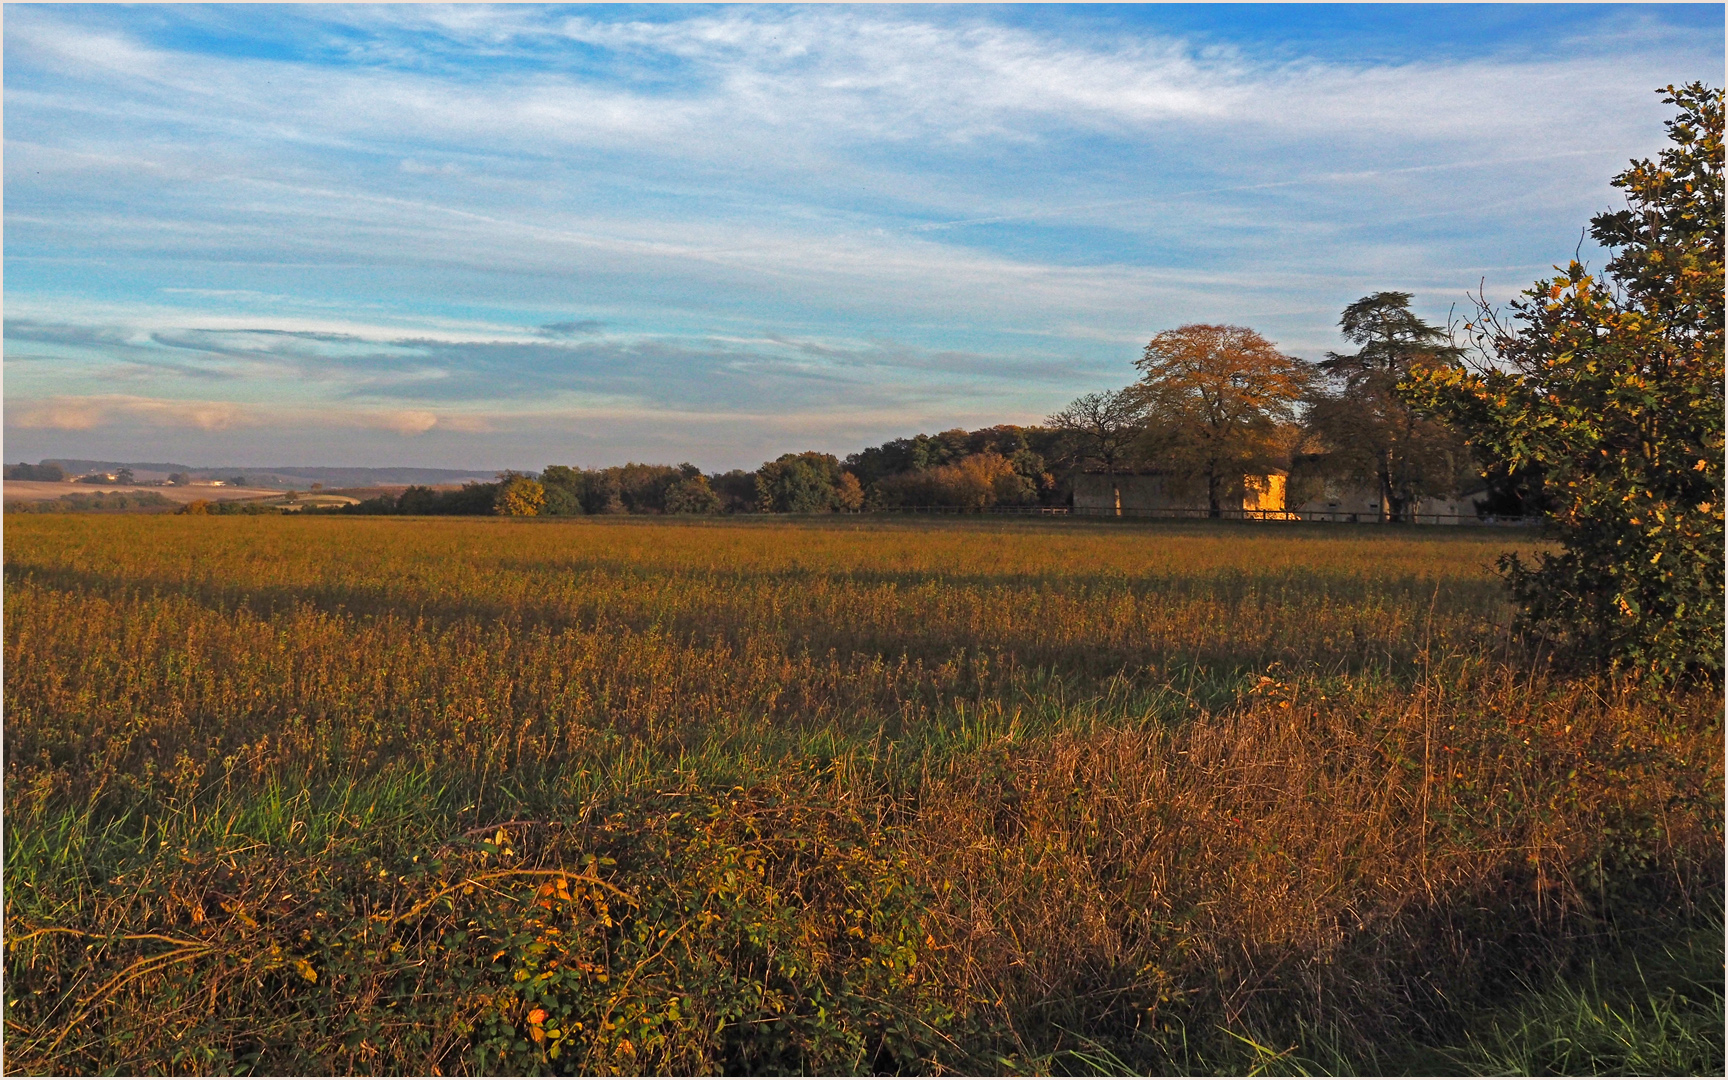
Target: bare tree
<point x="1106" y="426"/>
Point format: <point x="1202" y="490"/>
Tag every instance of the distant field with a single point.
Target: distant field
<point x="37" y="490"/>
<point x="834" y="795"/>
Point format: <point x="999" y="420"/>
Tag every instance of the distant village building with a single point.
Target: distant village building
<point x="1344" y="501"/>
<point x="1142" y="493"/>
<point x="1146" y="494"/>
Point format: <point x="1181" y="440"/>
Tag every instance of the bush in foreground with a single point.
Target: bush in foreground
<point x="1613" y="390"/>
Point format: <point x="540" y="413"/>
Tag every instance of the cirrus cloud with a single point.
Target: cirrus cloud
<point x="457" y="228"/>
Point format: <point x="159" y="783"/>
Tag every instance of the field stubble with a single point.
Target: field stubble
<point x="456" y="795"/>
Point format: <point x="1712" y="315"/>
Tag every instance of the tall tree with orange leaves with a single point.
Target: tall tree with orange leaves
<point x="1220" y="406"/>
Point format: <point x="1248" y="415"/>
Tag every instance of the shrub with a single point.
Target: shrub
<point x="1612" y="388"/>
<point x="248" y="508"/>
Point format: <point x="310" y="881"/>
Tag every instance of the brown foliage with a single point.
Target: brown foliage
<point x="879" y="797"/>
<point x="972" y="483"/>
<point x="1362" y="854"/>
<point x="1219" y="404"/>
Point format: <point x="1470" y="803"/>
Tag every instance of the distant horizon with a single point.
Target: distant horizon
<point x="424" y="236"/>
<point x="162" y="466"/>
<point x="166" y="465"/>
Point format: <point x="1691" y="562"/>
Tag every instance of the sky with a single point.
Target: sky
<point x="507" y="237"/>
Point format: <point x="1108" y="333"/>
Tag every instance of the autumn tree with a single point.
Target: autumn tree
<point x="1025" y="448"/>
<point x="908" y="455"/>
<point x="974" y="482"/>
<point x="849" y="494"/>
<point x="1104" y="428"/>
<point x="1366" y="432"/>
<point x="518" y="496"/>
<point x="1612" y="388"/>
<point x="1220" y="405"/>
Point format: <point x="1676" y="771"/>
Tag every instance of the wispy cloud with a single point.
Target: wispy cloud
<point x="571" y="363"/>
<point x="571" y="328"/>
<point x="127" y="410"/>
<point x="84" y="413"/>
<point x="409" y="219"/>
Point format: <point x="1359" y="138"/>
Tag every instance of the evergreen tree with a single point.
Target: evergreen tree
<point x="1367" y="433"/>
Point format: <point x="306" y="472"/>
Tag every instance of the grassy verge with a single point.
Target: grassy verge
<point x="1648" y="1006"/>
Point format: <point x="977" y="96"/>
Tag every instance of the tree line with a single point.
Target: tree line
<point x="1596" y="398"/>
<point x="966" y="469"/>
<point x="1215" y="406"/>
<point x="54" y="473"/>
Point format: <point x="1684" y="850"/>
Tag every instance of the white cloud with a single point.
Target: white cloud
<point x="871" y="208"/>
<point x="749" y="79"/>
<point x="406" y="421"/>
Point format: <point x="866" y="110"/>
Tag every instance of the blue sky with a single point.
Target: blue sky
<point x="515" y="236"/>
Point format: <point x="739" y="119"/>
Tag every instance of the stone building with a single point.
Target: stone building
<point x="1151" y="494"/>
<point x="1139" y="493"/>
<point x="1345" y="501"/>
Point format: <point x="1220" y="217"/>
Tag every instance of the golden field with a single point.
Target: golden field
<point x="828" y="795"/>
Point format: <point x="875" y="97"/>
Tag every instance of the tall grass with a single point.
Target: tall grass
<point x="463" y="795"/>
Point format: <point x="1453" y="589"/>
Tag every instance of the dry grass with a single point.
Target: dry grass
<point x="1029" y="796"/>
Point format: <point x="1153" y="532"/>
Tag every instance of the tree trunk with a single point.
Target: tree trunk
<point x="1116" y="491"/>
<point x="1212" y="507"/>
